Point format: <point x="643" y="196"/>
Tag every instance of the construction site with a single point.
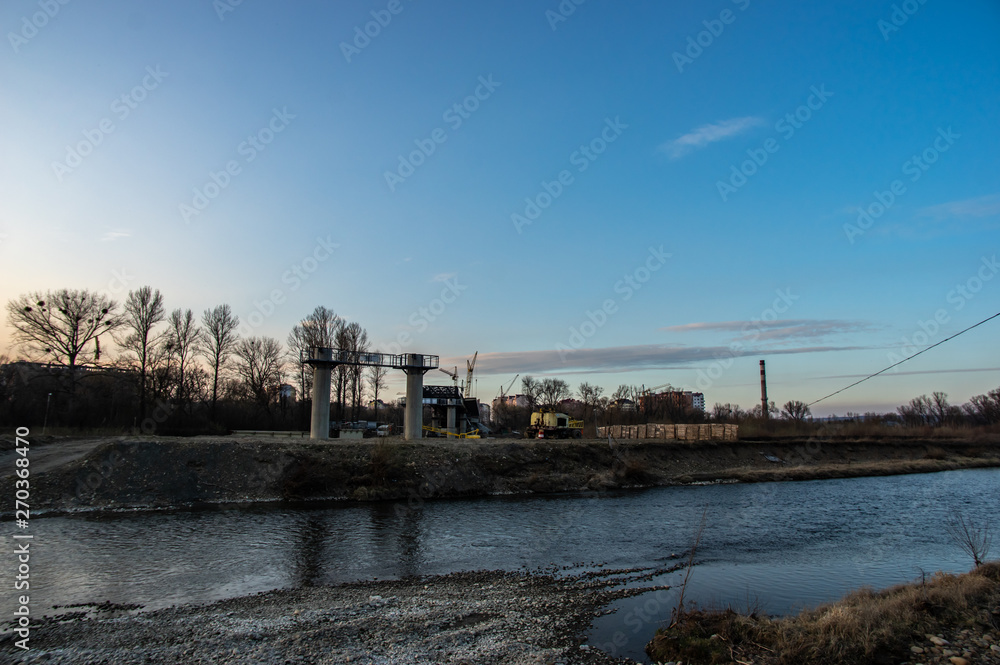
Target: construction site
<point x="454" y="411"/>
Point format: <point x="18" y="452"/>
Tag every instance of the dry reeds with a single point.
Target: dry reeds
<point x="865" y="627"/>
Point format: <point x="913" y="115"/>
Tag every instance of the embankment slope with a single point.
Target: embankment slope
<point x="163" y="472"/>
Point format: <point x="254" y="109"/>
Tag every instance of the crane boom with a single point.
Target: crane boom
<point x="470" y="365"/>
<point x="503" y="393"/>
<point x="452" y="374"/>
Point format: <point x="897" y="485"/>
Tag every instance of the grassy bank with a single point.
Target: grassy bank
<point x="941" y="619"/>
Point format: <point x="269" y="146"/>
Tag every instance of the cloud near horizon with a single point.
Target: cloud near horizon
<point x="779" y="330"/>
<point x="707" y="134"/>
<point x="620" y="358"/>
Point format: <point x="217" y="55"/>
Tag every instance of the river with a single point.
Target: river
<point x="783" y="545"/>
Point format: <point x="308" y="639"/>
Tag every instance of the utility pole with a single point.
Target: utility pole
<point x="763" y="392"/>
<point x="45" y="422"/>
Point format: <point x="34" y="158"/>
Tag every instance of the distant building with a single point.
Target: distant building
<point x="622" y="405"/>
<point x="673" y="400"/>
<point x="512" y="400"/>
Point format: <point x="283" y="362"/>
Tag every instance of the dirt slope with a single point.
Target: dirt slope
<point x="160" y="472"/>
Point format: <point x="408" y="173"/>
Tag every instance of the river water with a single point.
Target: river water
<point x="783" y="545"/>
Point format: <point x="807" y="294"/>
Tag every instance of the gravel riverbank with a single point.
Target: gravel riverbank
<point x="474" y="618"/>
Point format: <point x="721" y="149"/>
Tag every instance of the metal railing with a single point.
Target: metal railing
<point x="319" y="355"/>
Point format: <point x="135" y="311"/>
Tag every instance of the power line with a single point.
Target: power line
<point x="905" y="359"/>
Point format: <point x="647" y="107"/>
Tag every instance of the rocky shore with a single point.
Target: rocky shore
<point x="958" y="647"/>
<point x="475" y="618"/>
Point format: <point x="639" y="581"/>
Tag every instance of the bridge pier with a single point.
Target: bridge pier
<point x="324" y="359"/>
<point x="322" y="362"/>
<point x="413" y="417"/>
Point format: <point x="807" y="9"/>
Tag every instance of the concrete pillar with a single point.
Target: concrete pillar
<point x="323" y="366"/>
<point x="451" y="420"/>
<point x="413" y="417"/>
<point x="320" y="426"/>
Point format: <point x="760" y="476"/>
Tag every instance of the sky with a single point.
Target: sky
<point x="641" y="193"/>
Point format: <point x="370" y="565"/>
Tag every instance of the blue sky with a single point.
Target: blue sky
<point x="615" y="122"/>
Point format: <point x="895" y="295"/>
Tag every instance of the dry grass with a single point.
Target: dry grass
<point x="821" y="471"/>
<point x="382" y="462"/>
<point x="866" y="627"/>
<point x="865" y="430"/>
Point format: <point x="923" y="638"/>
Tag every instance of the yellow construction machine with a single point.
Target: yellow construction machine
<point x="546" y="423"/>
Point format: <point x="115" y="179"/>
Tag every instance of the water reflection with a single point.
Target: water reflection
<point x="309" y="548"/>
<point x="397" y="537"/>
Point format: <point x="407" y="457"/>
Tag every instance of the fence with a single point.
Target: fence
<point x="675" y="432"/>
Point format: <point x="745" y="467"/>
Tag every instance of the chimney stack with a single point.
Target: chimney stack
<point x="763" y="392"/>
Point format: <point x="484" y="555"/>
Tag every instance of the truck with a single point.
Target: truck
<point x="546" y="423"/>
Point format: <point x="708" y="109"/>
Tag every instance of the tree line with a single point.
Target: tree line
<point x="626" y="406"/>
<point x="169" y="372"/>
<point x="180" y="373"/>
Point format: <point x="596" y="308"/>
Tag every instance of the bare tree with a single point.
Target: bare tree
<point x="795" y="410"/>
<point x="554" y="391"/>
<point x="758" y="412"/>
<point x="728" y="413"/>
<point x="183" y="337"/>
<point x="356" y="338"/>
<point x="160" y="369"/>
<point x="320" y="328"/>
<point x="342" y="372"/>
<point x="590" y="395"/>
<point x="58" y="325"/>
<point x="917" y="412"/>
<point x="984" y="408"/>
<point x="974" y="540"/>
<point x="622" y="392"/>
<point x="940" y="409"/>
<point x="376" y="381"/>
<point x="218" y="342"/>
<point x="259" y="367"/>
<point x="532" y="389"/>
<point x="303" y="375"/>
<point x="143" y="310"/>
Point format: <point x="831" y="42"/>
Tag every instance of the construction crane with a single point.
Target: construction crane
<point x="453" y="374"/>
<point x="471" y="365"/>
<point x="650" y="391"/>
<point x="503" y="393"/>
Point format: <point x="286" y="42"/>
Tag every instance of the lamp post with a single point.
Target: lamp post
<point x="45" y="422"/>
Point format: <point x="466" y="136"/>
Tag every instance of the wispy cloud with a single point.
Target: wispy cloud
<point x="983" y="206"/>
<point x="706" y="134"/>
<point x="781" y="330"/>
<point x="620" y="358"/>
<point x="111" y="236"/>
<point x="443" y="277"/>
